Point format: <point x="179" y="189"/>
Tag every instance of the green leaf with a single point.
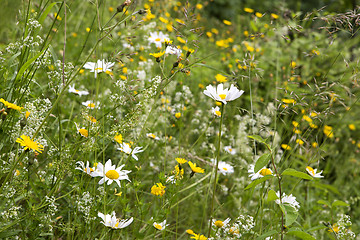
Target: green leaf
<point x="262" y="162"/>
<point x="267" y="234"/>
<point x="300" y="234"/>
<point x="295" y="173"/>
<point x="316" y="228"/>
<point x="46" y="12"/>
<point x="258" y="181"/>
<point x="323" y="202"/>
<point x="326" y="187"/>
<point x="339" y="203"/>
<point x="259" y="139"/>
<point x="28" y="63"/>
<point x="290" y="212"/>
<point x="272" y="196"/>
<point x="253" y="26"/>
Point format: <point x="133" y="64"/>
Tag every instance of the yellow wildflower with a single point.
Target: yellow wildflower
<point x="28" y="143"/>
<point x="158" y="189"/>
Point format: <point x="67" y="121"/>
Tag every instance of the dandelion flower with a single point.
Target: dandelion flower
<point x="220" y="78"/>
<point x="196" y="236"/>
<point x="125" y="147"/>
<point x="288" y="199"/>
<point x="194" y="168"/>
<point x="259" y="174"/>
<point x="11" y="105"/>
<point x="110" y="173"/>
<point x="160" y="226"/>
<point x="113" y="222"/>
<point x="223" y="95"/>
<point x="230" y="150"/>
<point x="158" y="189"/>
<point x="313" y="172"/>
<point x="225" y="168"/>
<point x="248" y="10"/>
<point x="77" y="92"/>
<point x="99" y="66"/>
<point x="28" y="143"/>
<point x="181" y="160"/>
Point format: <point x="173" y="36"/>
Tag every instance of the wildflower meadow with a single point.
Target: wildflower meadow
<point x="179" y="119"/>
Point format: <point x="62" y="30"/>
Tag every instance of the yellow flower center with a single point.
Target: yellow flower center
<point x="219" y="224"/>
<point x="83" y="132"/>
<point x="98" y="69"/>
<point x="224" y="168"/>
<point x="265" y="172"/>
<point x="222" y="96"/>
<point x="117" y="223"/>
<point x="310" y="169"/>
<point x="158" y="226"/>
<point x="158" y="40"/>
<point x="218" y="113"/>
<point x="91" y="105"/>
<point x="112" y="174"/>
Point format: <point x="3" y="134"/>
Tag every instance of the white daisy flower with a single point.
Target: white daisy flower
<point x="313" y="172"/>
<point x="151" y="135"/>
<point x="125" y="147"/>
<point x="261" y="173"/>
<point x="86" y="168"/>
<point x="160" y="226"/>
<point x="221" y="224"/>
<point x="110" y="173"/>
<point x="83" y="132"/>
<point x="291" y="200"/>
<point x="216" y="111"/>
<point x="225" y="168"/>
<point x="99" y="66"/>
<point x="157" y="38"/>
<point x="78" y="92"/>
<point x="223" y="95"/>
<point x="113" y="222"/>
<point x="90" y="104"/>
<point x="173" y="51"/>
<point x="230" y="150"/>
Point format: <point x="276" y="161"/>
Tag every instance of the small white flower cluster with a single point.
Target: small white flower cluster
<point x="242" y="225"/>
<point x="84" y="205"/>
<point x="11" y="213"/>
<point x="344" y="225"/>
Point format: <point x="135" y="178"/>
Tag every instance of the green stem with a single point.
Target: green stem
<point x="216" y="169"/>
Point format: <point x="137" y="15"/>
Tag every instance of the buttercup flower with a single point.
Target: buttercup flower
<point x="11" y="105"/>
<point x="223" y="95"/>
<point x="110" y="173"/>
<point x="230" y="150"/>
<point x="158" y="189"/>
<point x="125" y="147"/>
<point x="28" y="143"/>
<point x="160" y="226"/>
<point x="291" y="200"/>
<point x="313" y="172"/>
<point x="113" y="222"/>
<point x="78" y="92"/>
<point x="99" y="66"/>
<point x="261" y="173"/>
<point x="225" y="168"/>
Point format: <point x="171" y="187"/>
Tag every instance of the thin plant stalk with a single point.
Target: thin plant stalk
<point x="216" y="168"/>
